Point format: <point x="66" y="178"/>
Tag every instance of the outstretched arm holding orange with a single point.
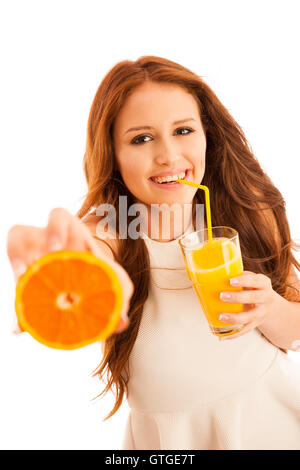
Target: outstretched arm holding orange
<point x="26" y="244"/>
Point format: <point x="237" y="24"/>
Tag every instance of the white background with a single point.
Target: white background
<point x="54" y="55"/>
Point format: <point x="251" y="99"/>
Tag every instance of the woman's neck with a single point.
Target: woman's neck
<point x="166" y="224"/>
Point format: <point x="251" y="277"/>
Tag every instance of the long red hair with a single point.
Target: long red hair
<point x="242" y="195"/>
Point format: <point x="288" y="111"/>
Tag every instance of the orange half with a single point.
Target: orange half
<point x="69" y="299"/>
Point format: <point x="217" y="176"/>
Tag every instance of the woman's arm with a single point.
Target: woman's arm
<point x="276" y="317"/>
<point x="25" y="244"/>
<point x="282" y="325"/>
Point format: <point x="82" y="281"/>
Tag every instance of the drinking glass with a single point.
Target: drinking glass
<point x="210" y="264"/>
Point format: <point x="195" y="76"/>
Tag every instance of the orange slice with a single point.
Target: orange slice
<point x="69" y="299"/>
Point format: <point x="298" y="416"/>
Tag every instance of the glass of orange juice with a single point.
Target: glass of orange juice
<point x="210" y="263"/>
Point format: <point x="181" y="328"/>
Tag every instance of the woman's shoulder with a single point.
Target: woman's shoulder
<point x="109" y="237"/>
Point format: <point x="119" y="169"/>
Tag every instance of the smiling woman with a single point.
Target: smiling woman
<point x="153" y="120"/>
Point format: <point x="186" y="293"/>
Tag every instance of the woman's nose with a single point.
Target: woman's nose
<point x="166" y="153"/>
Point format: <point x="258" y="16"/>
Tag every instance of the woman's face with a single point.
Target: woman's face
<point x="158" y="132"/>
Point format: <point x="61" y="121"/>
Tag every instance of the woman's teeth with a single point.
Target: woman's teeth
<point x="168" y="179"/>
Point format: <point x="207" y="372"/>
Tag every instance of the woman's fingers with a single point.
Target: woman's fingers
<point x="24" y="245"/>
<point x="244" y="297"/>
<point x="250" y="280"/>
<point x="57" y="230"/>
<point x="237" y="318"/>
<point x="245" y="329"/>
<point x="65" y="231"/>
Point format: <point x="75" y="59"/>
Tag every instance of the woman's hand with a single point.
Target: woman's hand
<point x="25" y="244"/>
<point x="258" y="297"/>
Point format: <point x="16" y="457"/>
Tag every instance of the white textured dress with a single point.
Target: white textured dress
<point x="188" y="390"/>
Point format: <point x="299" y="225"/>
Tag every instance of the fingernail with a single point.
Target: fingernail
<point x="234" y="281"/>
<point x="54" y="244"/>
<point x="224" y="317"/>
<point x="35" y="256"/>
<point x="225" y="296"/>
<point x="19" y="268"/>
<point x="17" y="331"/>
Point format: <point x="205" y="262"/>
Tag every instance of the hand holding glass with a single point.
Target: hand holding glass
<point x="210" y="263"/>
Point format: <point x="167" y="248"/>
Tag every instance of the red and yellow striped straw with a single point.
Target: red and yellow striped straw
<point x="207" y="204"/>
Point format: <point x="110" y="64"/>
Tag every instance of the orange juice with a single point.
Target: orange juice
<point x="210" y="268"/>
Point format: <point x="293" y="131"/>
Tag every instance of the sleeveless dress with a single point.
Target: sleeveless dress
<point x="188" y="390"/>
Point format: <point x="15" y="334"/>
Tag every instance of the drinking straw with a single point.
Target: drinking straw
<point x="207" y="204"/>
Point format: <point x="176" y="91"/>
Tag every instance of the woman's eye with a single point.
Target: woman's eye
<point x="137" y="140"/>
<point x="185" y="129"/>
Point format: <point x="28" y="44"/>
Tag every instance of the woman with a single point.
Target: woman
<point x="151" y="118"/>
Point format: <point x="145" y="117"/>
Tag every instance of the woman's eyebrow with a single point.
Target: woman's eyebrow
<point x="149" y="127"/>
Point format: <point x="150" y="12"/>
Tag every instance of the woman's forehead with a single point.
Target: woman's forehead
<point x="155" y="101"/>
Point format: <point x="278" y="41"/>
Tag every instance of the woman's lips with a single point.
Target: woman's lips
<point x="173" y="186"/>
